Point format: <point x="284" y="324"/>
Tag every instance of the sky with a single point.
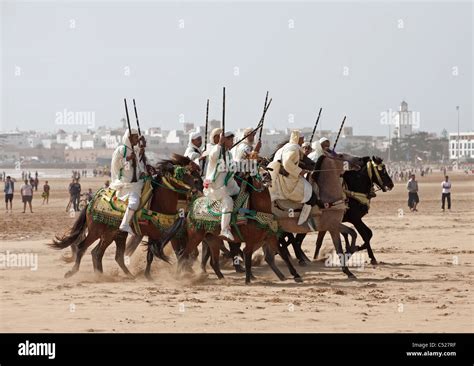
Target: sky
<point x="359" y="59"/>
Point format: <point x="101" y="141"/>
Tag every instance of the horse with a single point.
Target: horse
<point x="359" y="191"/>
<point x="327" y="177"/>
<point x="253" y="234"/>
<point x="178" y="174"/>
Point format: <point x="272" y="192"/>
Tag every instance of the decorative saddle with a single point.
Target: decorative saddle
<point x="206" y="213"/>
<point x="107" y="208"/>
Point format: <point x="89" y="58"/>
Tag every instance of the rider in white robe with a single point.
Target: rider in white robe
<point x="220" y="183"/>
<point x="122" y="175"/>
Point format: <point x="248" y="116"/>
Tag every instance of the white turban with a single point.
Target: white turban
<point x="214" y="132"/>
<point x="322" y="139"/>
<point x="306" y="144"/>
<point x="194" y="135"/>
<point x="126" y="137"/>
<point x="295" y="136"/>
<point x="229" y="133"/>
<point x="247" y="131"/>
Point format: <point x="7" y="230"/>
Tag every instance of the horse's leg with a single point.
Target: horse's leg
<point x="194" y="238"/>
<point x="81" y="249"/>
<point x="248" y="250"/>
<point x="285" y="240"/>
<point x="214" y="248"/>
<point x="319" y="243"/>
<point x="206" y="254"/>
<point x="270" y="259"/>
<point x="97" y="255"/>
<point x="98" y="252"/>
<point x="346" y="231"/>
<point x="283" y="251"/>
<point x="235" y="253"/>
<point x="120" y="242"/>
<point x="297" y="243"/>
<point x="149" y="261"/>
<point x="366" y="235"/>
<point x="132" y="244"/>
<point x="336" y="239"/>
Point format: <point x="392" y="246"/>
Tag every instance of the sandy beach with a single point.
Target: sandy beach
<point x="423" y="283"/>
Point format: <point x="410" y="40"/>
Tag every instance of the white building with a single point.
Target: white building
<point x="403" y="121"/>
<point x="466" y="145"/>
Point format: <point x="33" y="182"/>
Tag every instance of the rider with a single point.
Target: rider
<point x="306" y="148"/>
<point x="320" y="148"/>
<point x="245" y="149"/>
<point x="289" y="177"/>
<point x="220" y="184"/>
<point x="213" y="141"/>
<point x="124" y="162"/>
<point x="193" y="151"/>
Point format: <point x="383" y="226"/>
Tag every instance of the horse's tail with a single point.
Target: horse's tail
<point x="77" y="232"/>
<point x="157" y="246"/>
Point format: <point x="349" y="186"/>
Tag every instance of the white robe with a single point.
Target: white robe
<point x="193" y="152"/>
<point x="122" y="174"/>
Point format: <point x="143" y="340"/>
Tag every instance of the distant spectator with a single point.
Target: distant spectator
<point x="89" y="195"/>
<point x="9" y="190"/>
<point x="26" y="191"/>
<point x="106" y="184"/>
<point x="413" y="198"/>
<point x="45" y="194"/>
<point x="75" y="193"/>
<point x="446" y="193"/>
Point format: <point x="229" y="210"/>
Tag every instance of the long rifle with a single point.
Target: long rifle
<point x="141" y="142"/>
<point x="264" y="110"/>
<point x="340" y="129"/>
<point x="223" y="118"/>
<point x="134" y="162"/>
<point x="203" y="162"/>
<point x="315" y="125"/>
<point x="259" y="125"/>
<point x="205" y="131"/>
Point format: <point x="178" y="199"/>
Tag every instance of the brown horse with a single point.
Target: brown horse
<point x="252" y="234"/>
<point x="163" y="201"/>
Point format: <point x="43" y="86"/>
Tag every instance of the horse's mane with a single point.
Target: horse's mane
<point x="167" y="165"/>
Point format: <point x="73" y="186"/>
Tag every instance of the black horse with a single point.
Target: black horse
<point x="360" y="190"/>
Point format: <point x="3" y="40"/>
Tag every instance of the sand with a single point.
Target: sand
<point x="423" y="284"/>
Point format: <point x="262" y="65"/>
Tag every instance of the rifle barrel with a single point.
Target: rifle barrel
<point x="340" y="129"/>
<point x="315" y="125"/>
<point x="136" y="117"/>
<point x="264" y="109"/>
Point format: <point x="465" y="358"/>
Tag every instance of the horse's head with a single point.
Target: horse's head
<point x="381" y="177"/>
<point x="265" y="177"/>
<point x="182" y="173"/>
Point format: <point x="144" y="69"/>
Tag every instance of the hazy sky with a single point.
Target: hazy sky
<point x="75" y="56"/>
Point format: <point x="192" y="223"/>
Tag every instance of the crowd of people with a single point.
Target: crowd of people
<point x="30" y="185"/>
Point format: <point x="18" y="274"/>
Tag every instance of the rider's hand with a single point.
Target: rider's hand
<point x="303" y="172"/>
<point x="132" y="156"/>
<point x="258" y="146"/>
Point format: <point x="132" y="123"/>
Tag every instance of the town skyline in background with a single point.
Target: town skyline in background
<point x="356" y="59"/>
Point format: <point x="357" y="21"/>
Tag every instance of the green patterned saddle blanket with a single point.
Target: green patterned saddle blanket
<point x="108" y="209"/>
<point x="206" y="213"/>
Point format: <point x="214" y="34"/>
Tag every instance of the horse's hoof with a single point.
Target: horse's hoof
<point x="303" y="263"/>
<point x="374" y="262"/>
<point x="247" y="282"/>
<point x="298" y="279"/>
<point x="239" y="269"/>
<point x="69" y="274"/>
<point x="252" y="277"/>
<point x="148" y="277"/>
